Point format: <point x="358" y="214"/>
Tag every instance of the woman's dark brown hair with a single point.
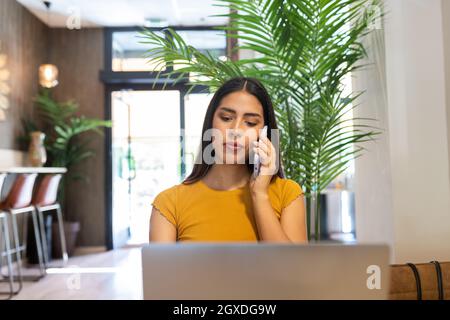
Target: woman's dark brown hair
<point x="253" y="87"/>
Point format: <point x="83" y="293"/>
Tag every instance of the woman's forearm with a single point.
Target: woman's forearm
<point x="269" y="227"/>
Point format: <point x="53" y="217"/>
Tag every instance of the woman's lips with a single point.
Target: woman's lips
<point x="234" y="146"/>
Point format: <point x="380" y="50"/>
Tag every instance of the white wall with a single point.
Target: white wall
<point x="417" y="142"/>
<point x="12" y="158"/>
<point x="373" y="184"/>
<point x="446" y="29"/>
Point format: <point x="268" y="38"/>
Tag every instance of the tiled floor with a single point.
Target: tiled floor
<point x="107" y="275"/>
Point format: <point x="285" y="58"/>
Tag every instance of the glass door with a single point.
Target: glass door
<point x="146" y="157"/>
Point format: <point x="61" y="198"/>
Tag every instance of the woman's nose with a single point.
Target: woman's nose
<point x="235" y="131"/>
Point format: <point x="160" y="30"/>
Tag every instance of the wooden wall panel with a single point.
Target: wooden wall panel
<point x="23" y="39"/>
<point x="79" y="57"/>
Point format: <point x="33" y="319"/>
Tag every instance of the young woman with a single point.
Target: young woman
<point x="221" y="200"/>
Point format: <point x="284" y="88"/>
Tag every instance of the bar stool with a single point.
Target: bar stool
<point x="7" y="252"/>
<point x="18" y="202"/>
<point x="46" y="200"/>
<point x="4" y="241"/>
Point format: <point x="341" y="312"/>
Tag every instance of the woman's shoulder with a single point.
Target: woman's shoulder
<point x="165" y="202"/>
<point x="168" y="192"/>
<point x="284" y="191"/>
<point x="285" y="185"/>
<point x="176" y="190"/>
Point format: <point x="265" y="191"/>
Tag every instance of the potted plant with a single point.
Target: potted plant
<point x="65" y="146"/>
<point x="304" y="49"/>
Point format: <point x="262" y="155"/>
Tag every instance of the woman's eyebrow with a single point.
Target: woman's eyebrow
<point x="245" y="114"/>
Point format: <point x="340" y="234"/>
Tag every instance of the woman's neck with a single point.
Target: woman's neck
<point x="227" y="176"/>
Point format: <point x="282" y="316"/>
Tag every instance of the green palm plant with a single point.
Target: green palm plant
<point x="304" y="50"/>
<point x="64" y="142"/>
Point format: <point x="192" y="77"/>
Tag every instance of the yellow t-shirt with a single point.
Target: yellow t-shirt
<point x="203" y="214"/>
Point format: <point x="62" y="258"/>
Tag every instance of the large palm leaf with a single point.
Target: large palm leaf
<point x="304" y="50"/>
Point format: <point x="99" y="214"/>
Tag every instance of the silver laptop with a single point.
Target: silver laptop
<point x="243" y="271"/>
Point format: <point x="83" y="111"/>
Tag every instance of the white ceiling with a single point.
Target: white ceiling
<point x="114" y="13"/>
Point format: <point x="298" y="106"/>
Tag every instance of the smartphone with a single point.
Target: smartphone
<point x="257" y="161"/>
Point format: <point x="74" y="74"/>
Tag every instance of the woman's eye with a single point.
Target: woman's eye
<point x="251" y="124"/>
<point x="225" y="118"/>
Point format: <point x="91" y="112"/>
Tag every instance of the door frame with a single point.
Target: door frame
<point x="109" y="89"/>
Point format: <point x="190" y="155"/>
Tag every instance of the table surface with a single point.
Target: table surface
<point x="33" y="170"/>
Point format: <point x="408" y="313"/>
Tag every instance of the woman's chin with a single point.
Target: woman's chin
<point x="230" y="159"/>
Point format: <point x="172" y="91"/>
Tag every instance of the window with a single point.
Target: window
<point x="128" y="54"/>
<point x="212" y="41"/>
